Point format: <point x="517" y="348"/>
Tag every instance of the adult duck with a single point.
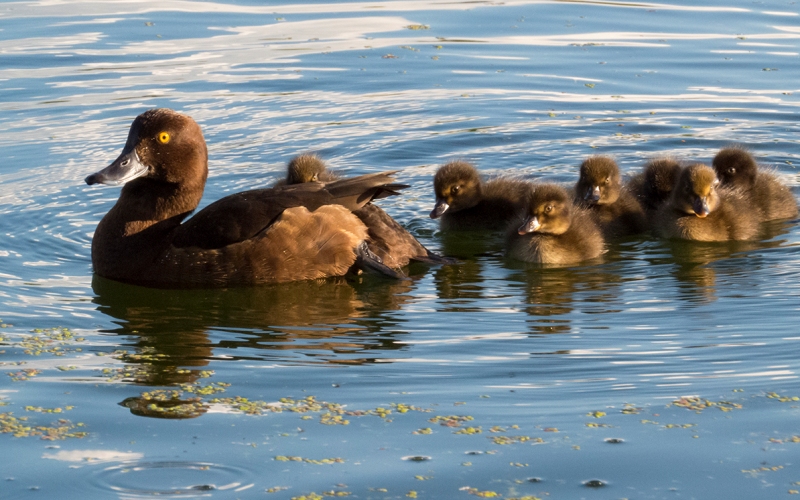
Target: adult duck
<point x="304" y="231"/>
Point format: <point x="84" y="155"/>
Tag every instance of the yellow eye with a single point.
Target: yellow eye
<point x="163" y="137"/>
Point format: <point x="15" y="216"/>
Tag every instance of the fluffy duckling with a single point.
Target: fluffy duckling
<point x="306" y="167"/>
<point x="464" y="202"/>
<point x="737" y="168"/>
<point x="291" y="233"/>
<point x="699" y="209"/>
<point x="555" y="231"/>
<point x="390" y="241"/>
<point x="653" y="186"/>
<point x="599" y="188"/>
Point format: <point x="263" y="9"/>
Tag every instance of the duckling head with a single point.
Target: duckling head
<point x="304" y="168"/>
<point x="549" y="210"/>
<point x="735" y="167"/>
<point x="599" y="182"/>
<point x="457" y="185"/>
<point x="660" y="176"/>
<point x="696" y="191"/>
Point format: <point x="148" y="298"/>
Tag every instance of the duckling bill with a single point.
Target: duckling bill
<point x="305" y="231"/>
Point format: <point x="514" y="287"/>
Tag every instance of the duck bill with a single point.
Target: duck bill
<point x="124" y="169"/>
<point x="700" y="207"/>
<point x="530" y="225"/>
<point x="439" y="209"/>
<point x="592" y="195"/>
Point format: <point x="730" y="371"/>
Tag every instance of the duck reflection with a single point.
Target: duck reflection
<point x="699" y="266"/>
<point x="175" y="333"/>
<point x="552" y="294"/>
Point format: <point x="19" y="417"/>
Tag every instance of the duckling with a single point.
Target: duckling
<point x="306" y="167"/>
<point x="737" y="168"/>
<point x="653" y="185"/>
<point x="290" y="233"/>
<point x="600" y="189"/>
<point x="464" y="202"/>
<point x="699" y="209"/>
<point x="555" y="231"/>
<point x="390" y="241"/>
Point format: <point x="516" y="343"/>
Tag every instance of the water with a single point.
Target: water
<point x="668" y="370"/>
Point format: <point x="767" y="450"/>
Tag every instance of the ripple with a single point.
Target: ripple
<point x="174" y="479"/>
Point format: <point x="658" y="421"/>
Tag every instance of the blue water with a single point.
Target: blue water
<point x="669" y="370"/>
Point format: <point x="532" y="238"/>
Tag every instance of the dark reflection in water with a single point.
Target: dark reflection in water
<point x="698" y="266"/>
<point x="334" y="321"/>
<point x="553" y="294"/>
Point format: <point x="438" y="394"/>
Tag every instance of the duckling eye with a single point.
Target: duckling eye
<point x="608" y="180"/>
<point x="455" y="189"/>
<point x="731" y="170"/>
<point x="314" y="177"/>
<point x="548" y="209"/>
<point x="163" y="137"/>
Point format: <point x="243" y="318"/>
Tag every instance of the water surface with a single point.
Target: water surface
<point x="668" y="370"/>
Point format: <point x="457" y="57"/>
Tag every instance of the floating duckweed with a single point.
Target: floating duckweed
<point x="424" y="430"/>
<point x="479" y="493"/>
<point x="596" y="414"/>
<point x="595" y="425"/>
<point x="39" y="409"/>
<point x="22" y="375"/>
<point x="451" y="420"/>
<point x="276" y="489"/>
<point x="783" y="399"/>
<point x="679" y="426"/>
<point x="417" y="27"/>
<point x="504" y="440"/>
<point x="526" y="497"/>
<point x="469" y="430"/>
<point x="17" y="426"/>
<point x="423" y="478"/>
<point x="699" y="404"/>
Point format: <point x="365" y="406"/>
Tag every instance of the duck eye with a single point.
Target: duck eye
<point x="455" y="189"/>
<point x="548" y="209"/>
<point x="608" y="180"/>
<point x="163" y="137"/>
<point x="731" y="171"/>
<point x="314" y="177"/>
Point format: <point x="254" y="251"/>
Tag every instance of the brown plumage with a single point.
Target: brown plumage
<point x="465" y="202"/>
<point x="600" y="189"/>
<point x="555" y="231"/>
<point x="737" y="168"/>
<point x="390" y="241"/>
<point x="306" y="231"/>
<point x="700" y="209"/>
<point x="306" y="167"/>
<point x="653" y="185"/>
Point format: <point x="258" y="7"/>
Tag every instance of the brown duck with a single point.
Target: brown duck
<point x="299" y="232"/>
<point x="555" y="231"/>
<point x="653" y="185"/>
<point x="390" y="241"/>
<point x="464" y="202"/>
<point x="600" y="189"/>
<point x="737" y="168"/>
<point x="700" y="209"/>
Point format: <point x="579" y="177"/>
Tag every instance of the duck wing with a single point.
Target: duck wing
<point x="242" y="216"/>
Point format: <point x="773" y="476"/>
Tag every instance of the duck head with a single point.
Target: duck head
<point x="660" y="176"/>
<point x="735" y="167"/>
<point x="696" y="191"/>
<point x="163" y="146"/>
<point x="304" y="168"/>
<point x="599" y="182"/>
<point x="549" y="210"/>
<point x="457" y="186"/>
